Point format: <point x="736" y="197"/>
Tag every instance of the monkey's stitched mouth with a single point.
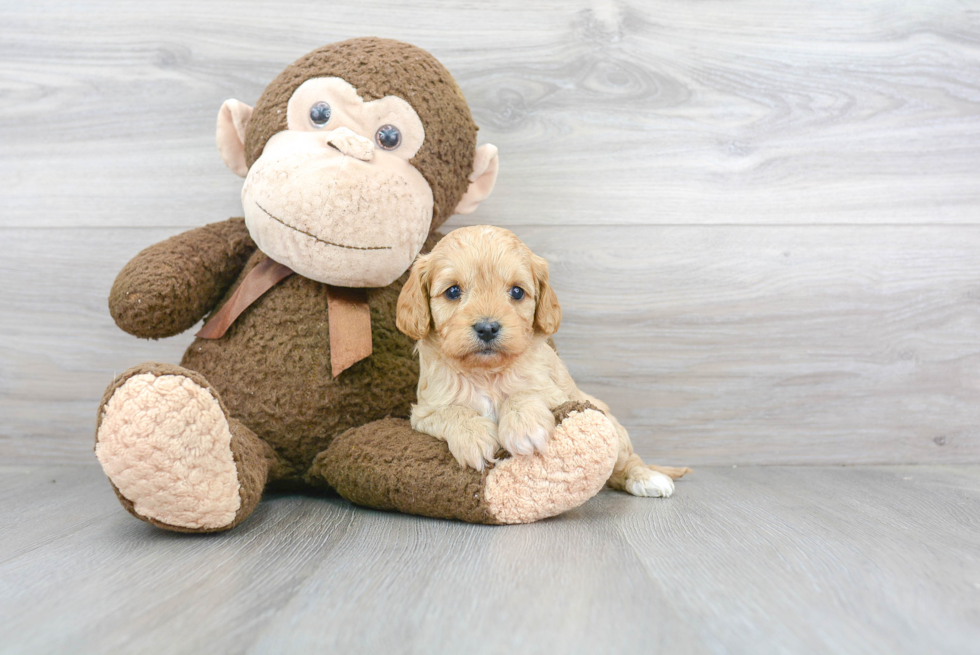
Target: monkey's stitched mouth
<point x="316" y="238"/>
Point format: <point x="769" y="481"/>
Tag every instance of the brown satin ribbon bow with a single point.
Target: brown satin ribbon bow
<point x="347" y="314"/>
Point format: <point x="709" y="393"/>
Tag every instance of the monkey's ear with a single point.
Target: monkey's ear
<point x="412" y="316"/>
<point x="484" y="176"/>
<point x="547" y="311"/>
<point x="232" y="119"/>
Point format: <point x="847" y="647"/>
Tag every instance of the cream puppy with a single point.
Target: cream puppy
<point x="482" y="311"/>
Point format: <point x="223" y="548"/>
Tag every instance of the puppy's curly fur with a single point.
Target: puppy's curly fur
<point x="482" y="311"/>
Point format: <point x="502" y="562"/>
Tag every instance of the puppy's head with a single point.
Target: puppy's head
<point x="479" y="297"/>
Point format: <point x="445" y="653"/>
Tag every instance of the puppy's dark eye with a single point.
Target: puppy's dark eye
<point x="453" y="292"/>
<point x="516" y="293"/>
<point x="320" y="114"/>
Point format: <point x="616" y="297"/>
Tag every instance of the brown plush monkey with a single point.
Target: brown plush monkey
<point x="352" y="157"/>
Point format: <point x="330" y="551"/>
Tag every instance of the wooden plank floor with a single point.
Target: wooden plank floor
<point x="742" y="560"/>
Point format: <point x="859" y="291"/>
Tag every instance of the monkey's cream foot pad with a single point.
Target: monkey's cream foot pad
<point x="579" y="459"/>
<point x="165" y="443"/>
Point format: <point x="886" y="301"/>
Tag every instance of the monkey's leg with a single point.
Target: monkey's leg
<point x="174" y="456"/>
<point x="388" y="465"/>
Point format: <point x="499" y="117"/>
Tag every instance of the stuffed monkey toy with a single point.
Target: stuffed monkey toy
<point x="352" y="157"/>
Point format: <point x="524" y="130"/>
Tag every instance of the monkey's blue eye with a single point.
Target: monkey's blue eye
<point x="516" y="293"/>
<point x="453" y="292"/>
<point x="320" y="114"/>
<point x="389" y="137"/>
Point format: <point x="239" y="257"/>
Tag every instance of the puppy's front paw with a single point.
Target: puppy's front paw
<point x="474" y="443"/>
<point x="523" y="432"/>
<point x="649" y="484"/>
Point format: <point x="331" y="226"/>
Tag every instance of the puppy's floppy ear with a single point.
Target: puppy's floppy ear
<point x="547" y="311"/>
<point x="413" y="317"/>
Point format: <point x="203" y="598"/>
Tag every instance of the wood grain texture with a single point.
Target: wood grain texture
<point x="747" y="560"/>
<point x="762" y="220"/>
<point x="666" y="112"/>
<point x="713" y="345"/>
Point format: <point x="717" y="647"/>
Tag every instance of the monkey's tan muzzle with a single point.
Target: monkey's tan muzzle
<point x="349" y="143"/>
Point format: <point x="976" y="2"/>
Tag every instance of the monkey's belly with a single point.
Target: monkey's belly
<point x="272" y="370"/>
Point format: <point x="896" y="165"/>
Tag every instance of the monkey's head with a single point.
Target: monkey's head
<point x="352" y="155"/>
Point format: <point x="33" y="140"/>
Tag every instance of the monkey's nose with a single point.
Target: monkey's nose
<point x="350" y="143"/>
<point x="486" y="330"/>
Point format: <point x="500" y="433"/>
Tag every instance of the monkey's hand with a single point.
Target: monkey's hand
<point x="171" y="285"/>
<point x="472" y="438"/>
<point x="526" y="424"/>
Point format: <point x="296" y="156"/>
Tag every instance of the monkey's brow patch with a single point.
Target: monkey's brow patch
<point x="316" y="238"/>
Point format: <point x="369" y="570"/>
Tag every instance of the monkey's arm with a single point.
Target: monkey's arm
<point x="171" y="285"/>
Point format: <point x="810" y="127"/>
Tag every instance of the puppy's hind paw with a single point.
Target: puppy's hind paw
<point x="649" y="484"/>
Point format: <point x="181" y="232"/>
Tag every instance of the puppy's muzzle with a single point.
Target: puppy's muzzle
<point x="487" y="331"/>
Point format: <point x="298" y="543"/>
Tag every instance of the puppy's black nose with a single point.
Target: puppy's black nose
<point x="486" y="330"/>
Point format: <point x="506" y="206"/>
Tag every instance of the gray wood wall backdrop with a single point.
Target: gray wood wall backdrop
<point x="763" y="218"/>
